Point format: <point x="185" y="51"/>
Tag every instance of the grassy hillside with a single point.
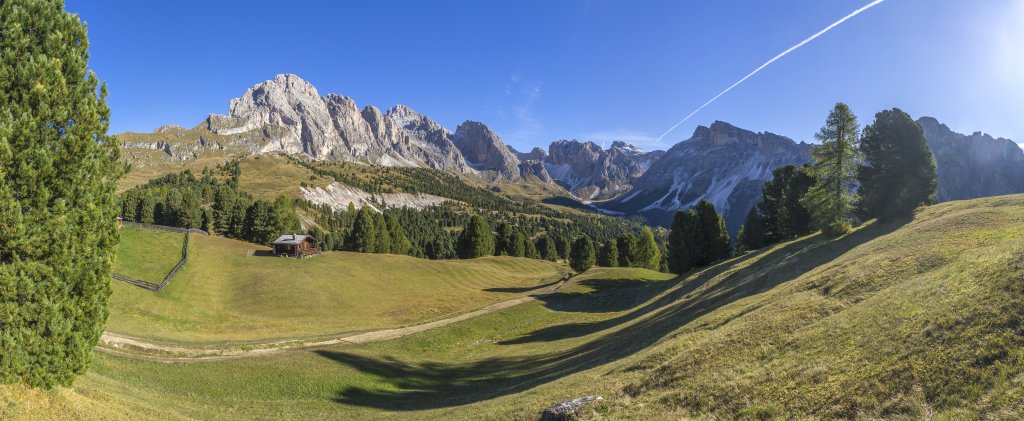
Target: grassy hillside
<point x="147" y="254"/>
<point x="920" y="319"/>
<point x="236" y="291"/>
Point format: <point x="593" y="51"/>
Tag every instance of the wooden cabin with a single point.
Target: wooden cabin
<point x="296" y="245"/>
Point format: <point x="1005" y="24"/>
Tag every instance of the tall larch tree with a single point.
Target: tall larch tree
<point x="898" y="171"/>
<point x="648" y="255"/>
<point x="476" y="239"/>
<point x="832" y="198"/>
<point x="58" y="174"/>
<point x="582" y="256"/>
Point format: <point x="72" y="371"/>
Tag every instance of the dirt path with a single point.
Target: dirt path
<point x="128" y="347"/>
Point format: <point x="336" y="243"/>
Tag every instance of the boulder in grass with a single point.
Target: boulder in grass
<point x="568" y="410"/>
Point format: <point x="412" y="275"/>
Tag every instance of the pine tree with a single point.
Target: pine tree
<point x="782" y="214"/>
<point x="531" y="248"/>
<point x="58" y="209"/>
<point x="546" y="247"/>
<point x="648" y="255"/>
<point x="898" y="171"/>
<point x="476" y="239"/>
<point x="562" y="246"/>
<point x="260" y="223"/>
<point x="284" y="215"/>
<point x="752" y="233"/>
<point x="711" y="240"/>
<point x="681" y="241"/>
<point x="581" y="257"/>
<point x="363" y="237"/>
<point x="609" y="256"/>
<point x="503" y="240"/>
<point x="400" y="243"/>
<point x="516" y="244"/>
<point x="831" y="199"/>
<point x="628" y="250"/>
<point x="380" y="229"/>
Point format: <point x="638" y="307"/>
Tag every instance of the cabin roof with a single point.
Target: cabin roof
<point x="293" y="239"/>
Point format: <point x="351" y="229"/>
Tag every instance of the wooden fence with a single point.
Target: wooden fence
<point x="170" y="275"/>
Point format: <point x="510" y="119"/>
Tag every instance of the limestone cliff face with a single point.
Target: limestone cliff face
<point x="291" y="114"/>
<point x="589" y="172"/>
<point x="486" y="152"/>
<point x="973" y="166"/>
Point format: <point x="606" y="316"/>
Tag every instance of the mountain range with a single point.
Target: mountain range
<point x="722" y="163"/>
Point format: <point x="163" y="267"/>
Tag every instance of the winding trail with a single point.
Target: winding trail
<point x="141" y="349"/>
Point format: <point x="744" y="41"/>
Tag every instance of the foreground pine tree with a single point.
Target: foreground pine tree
<point x="476" y="239"/>
<point x="58" y="174"/>
<point x="898" y="174"/>
<point x="831" y="199"/>
<point x="648" y="253"/>
<point x="582" y="256"/>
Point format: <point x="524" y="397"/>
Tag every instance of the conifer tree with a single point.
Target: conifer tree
<point x="503" y="240"/>
<point x="711" y="240"/>
<point x="531" y="248"/>
<point x="516" y="244"/>
<point x="781" y="211"/>
<point x="648" y="255"/>
<point x="751" y="235"/>
<point x="476" y="239"/>
<point x="609" y="256"/>
<point x="898" y="171"/>
<point x="681" y="241"/>
<point x="400" y="243"/>
<point x="581" y="257"/>
<point x="831" y="199"/>
<point x="380" y="229"/>
<point x="363" y="237"/>
<point x="260" y="222"/>
<point x="546" y="248"/>
<point x="628" y="250"/>
<point x="58" y="174"/>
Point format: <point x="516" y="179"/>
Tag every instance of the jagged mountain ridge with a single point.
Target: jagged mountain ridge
<point x="722" y="163"/>
<point x="973" y="166"/>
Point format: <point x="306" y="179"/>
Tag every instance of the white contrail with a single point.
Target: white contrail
<point x="780" y="55"/>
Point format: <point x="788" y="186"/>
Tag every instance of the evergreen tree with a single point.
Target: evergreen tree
<point x="146" y="213"/>
<point x="546" y="248"/>
<point x="531" y="248"/>
<point x="363" y="237"/>
<point x="517" y="244"/>
<point x="58" y="210"/>
<point x="831" y="199"/>
<point x="284" y="214"/>
<point x="628" y="250"/>
<point x="752" y="233"/>
<point x="380" y="229"/>
<point x="898" y="171"/>
<point x="400" y="243"/>
<point x="648" y="255"/>
<point x="781" y="211"/>
<point x="681" y="242"/>
<point x="711" y="239"/>
<point x="476" y="239"/>
<point x="581" y="257"/>
<point x="503" y="240"/>
<point x="207" y="224"/>
<point x="609" y="256"/>
<point x="562" y="246"/>
<point x="260" y="222"/>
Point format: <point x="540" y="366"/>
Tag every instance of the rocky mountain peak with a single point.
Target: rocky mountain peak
<point x="485" y="151"/>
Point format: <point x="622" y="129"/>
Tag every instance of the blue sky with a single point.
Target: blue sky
<point x="537" y="71"/>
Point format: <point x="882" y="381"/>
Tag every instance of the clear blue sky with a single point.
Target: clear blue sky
<point x="536" y="71"/>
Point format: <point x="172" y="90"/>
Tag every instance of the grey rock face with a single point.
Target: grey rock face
<point x="536" y="169"/>
<point x="722" y="163"/>
<point x="589" y="172"/>
<point x="568" y="410"/>
<point x="291" y="113"/>
<point x="485" y="151"/>
<point x="535" y="154"/>
<point x="973" y="166"/>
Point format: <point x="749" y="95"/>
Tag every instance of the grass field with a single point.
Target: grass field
<point x="912" y="319"/>
<point x="235" y="291"/>
<point x="147" y="254"/>
<point x="268" y="176"/>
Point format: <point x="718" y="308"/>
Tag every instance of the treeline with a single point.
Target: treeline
<point x="209" y="203"/>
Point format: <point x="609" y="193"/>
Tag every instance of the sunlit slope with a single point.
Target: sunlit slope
<point x="235" y="291"/>
<point x="899" y="320"/>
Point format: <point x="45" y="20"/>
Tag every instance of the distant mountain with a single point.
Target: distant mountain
<point x="973" y="166"/>
<point x="589" y="172"/>
<point x="722" y="163"/>
<point x="485" y="151"/>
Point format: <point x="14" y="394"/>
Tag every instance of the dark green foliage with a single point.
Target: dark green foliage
<point x="476" y="239"/>
<point x="260" y="222"/>
<point x="380" y="230"/>
<point x="546" y="248"/>
<point x="752" y="233"/>
<point x="363" y="237"/>
<point x="609" y="255"/>
<point x="503" y="239"/>
<point x="58" y="175"/>
<point x="562" y="246"/>
<point x="648" y="255"/>
<point x="781" y="209"/>
<point x="517" y="244"/>
<point x="712" y="239"/>
<point x="831" y="199"/>
<point x="681" y="240"/>
<point x="627" y="245"/>
<point x="581" y="257"/>
<point x="898" y="171"/>
<point x="400" y="243"/>
<point x="531" y="248"/>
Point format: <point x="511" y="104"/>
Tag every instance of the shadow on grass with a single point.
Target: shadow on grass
<point x="264" y="253"/>
<point x="417" y="386"/>
<point x="523" y="289"/>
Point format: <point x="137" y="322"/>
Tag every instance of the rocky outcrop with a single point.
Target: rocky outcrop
<point x="535" y="154"/>
<point x="722" y="163"/>
<point x="569" y="410"/>
<point x="589" y="172"/>
<point x="973" y="166"/>
<point x="486" y="152"/>
<point x="339" y="196"/>
<point x="534" y="168"/>
<point x="293" y="118"/>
